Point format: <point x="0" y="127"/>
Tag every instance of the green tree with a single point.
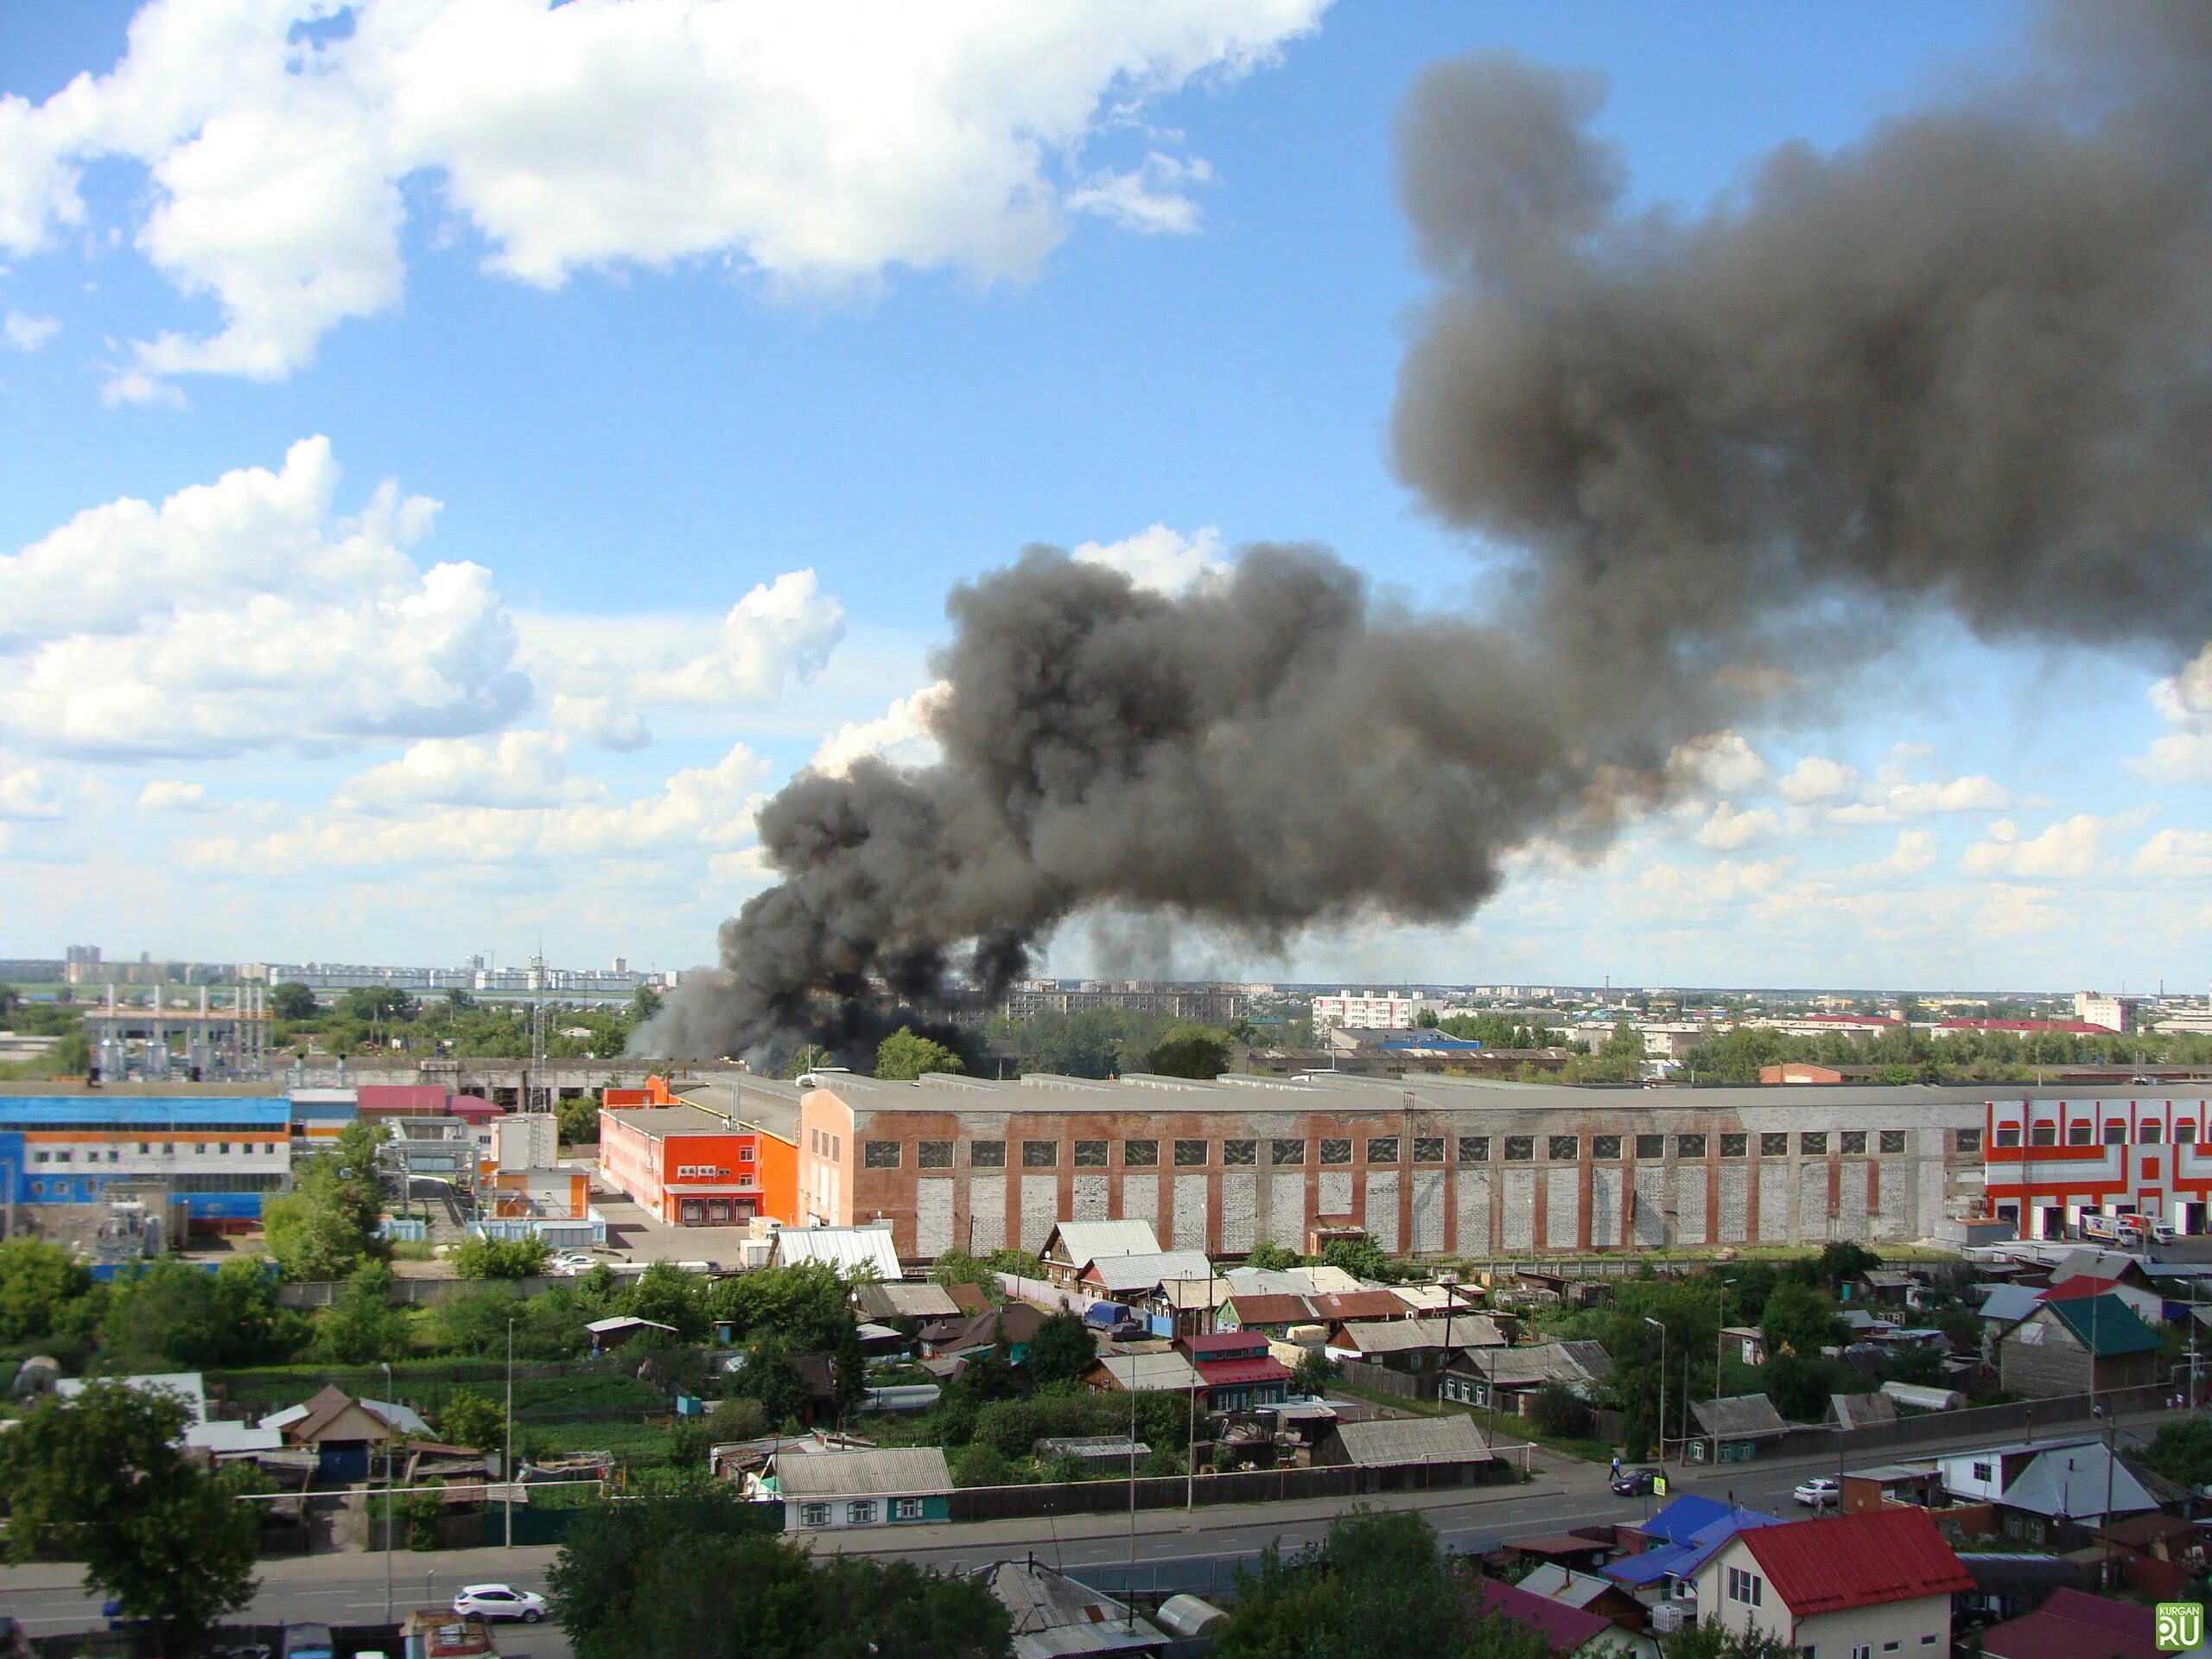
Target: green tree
<point x="644" y="1002"/>
<point x="1063" y="1350"/>
<point x="1378" y="1586"/>
<point x="576" y="1122"/>
<point x="377" y="1003"/>
<point x="1362" y="1257"/>
<point x="1842" y="1262"/>
<point x="809" y="1056"/>
<point x="769" y="1376"/>
<point x="980" y="1464"/>
<point x="478" y="1257"/>
<point x="101" y="1478"/>
<point x="469" y="1419"/>
<point x="667" y="1295"/>
<point x="362" y="1326"/>
<point x="1190" y="1052"/>
<point x="1313" y="1374"/>
<point x="643" y="1580"/>
<point x="1799" y="1385"/>
<point x="1557" y="1409"/>
<point x="44" y="1291"/>
<point x="171" y="1315"/>
<point x="1799" y="1319"/>
<point x="903" y="1056"/>
<point x="736" y="1419"/>
<point x="293" y="1002"/>
<point x="803" y="1303"/>
<point x="1713" y="1640"/>
<point x="2183" y="1451"/>
<point x="326" y="1225"/>
<point x="1274" y="1258"/>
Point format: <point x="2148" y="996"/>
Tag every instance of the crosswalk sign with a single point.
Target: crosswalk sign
<point x="1658" y="1485"/>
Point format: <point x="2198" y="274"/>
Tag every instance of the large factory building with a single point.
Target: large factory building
<point x="1428" y="1164"/>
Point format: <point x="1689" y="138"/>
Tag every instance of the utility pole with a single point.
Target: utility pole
<point x="1648" y="1319"/>
<point x="387" y="1504"/>
<point x="1129" y="1590"/>
<point x="507" y="1459"/>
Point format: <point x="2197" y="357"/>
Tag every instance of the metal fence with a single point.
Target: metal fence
<point x="1204" y="1491"/>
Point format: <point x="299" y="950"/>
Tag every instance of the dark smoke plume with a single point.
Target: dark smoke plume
<point x="1962" y="367"/>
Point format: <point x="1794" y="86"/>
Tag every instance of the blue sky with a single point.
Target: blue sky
<point x="799" y="316"/>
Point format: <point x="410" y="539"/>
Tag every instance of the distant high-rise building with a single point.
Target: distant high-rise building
<point x="1373" y="1010"/>
<point x="2112" y="1012"/>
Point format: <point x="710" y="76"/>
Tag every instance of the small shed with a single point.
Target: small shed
<point x="1410" y="1453"/>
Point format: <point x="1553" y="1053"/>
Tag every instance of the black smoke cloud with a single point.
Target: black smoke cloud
<point x="1964" y="366"/>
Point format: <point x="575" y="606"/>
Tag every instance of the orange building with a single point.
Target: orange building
<point x="691" y="1168"/>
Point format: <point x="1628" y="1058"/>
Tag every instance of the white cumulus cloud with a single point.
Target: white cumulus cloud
<point x="781" y="631"/>
<point x="821" y="144"/>
<point x="1721" y="761"/>
<point x="243" y="614"/>
<point x="900" y="734"/>
<point x="174" y="795"/>
<point x="26" y="332"/>
<point x="1728" y="830"/>
<point x="514" y="770"/>
<point x="2175" y="855"/>
<point x="1159" y="558"/>
<point x="2183" y="755"/>
<point x="2071" y="847"/>
<point x="1815" y="779"/>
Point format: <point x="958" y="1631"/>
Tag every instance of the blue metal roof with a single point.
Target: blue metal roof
<point x="1435" y="1039"/>
<point x="86" y="1111"/>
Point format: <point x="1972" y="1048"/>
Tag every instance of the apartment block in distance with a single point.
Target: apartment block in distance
<point x="718" y="1155"/>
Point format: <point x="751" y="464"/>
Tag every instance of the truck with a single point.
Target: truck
<point x="2127" y="1233"/>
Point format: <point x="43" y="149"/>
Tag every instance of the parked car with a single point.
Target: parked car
<point x="570" y="1265"/>
<point x="501" y="1601"/>
<point x="1823" y="1491"/>
<point x="1634" y="1483"/>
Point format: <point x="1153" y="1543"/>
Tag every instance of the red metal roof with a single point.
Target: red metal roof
<point x="1235" y="1373"/>
<point x="1565" y="1629"/>
<point x="1856" y="1561"/>
<point x="2073" y="1027"/>
<point x="2074" y="1625"/>
<point x="1271" y="1308"/>
<point x="1225" y="1342"/>
<point x="2080" y="1284"/>
<point x="1361" y="1304"/>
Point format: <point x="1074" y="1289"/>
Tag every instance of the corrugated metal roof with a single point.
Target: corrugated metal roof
<point x="1856" y="1561"/>
<point x="1270" y="1308"/>
<point x="2107" y="1326"/>
<point x="1235" y="1373"/>
<point x="1410" y="1336"/>
<point x="1570" y="1362"/>
<point x="1151" y="1372"/>
<point x="852" y="1251"/>
<point x="890" y="1471"/>
<point x="1082" y="1243"/>
<point x="188" y="1386"/>
<point x="37" y="1111"/>
<point x="1861" y="1410"/>
<point x="1454" y="1439"/>
<point x="880" y="1300"/>
<point x="2074" y="1625"/>
<point x="1565" y="1629"/>
<point x="1740" y="1417"/>
<point x="1120" y="1273"/>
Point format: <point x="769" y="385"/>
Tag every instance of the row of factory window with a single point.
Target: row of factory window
<point x="1388" y="1149"/>
<point x="149" y="1149"/>
<point x="59" y="1187"/>
<point x="2083" y="1133"/>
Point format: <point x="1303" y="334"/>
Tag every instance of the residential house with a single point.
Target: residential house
<point x="1073" y="1246"/>
<point x="1890" y="1287"/>
<point x="1848" y="1586"/>
<point x="2087" y="1346"/>
<point x="1339" y="1307"/>
<point x="1420" y="1452"/>
<point x="2150" y="1306"/>
<point x="1236" y="1370"/>
<point x="1052" y="1616"/>
<point x="1295" y="1281"/>
<point x="1418" y="1347"/>
<point x="345" y="1432"/>
<point x="1733" y="1428"/>
<point x="2074" y="1624"/>
<point x="1507" y="1379"/>
<point x="1271" y="1312"/>
<point x="1013" y="1322"/>
<point x="2005" y="1306"/>
<point x="1568" y="1633"/>
<point x="889" y="1486"/>
<point x="882" y="1300"/>
<point x="2046" y="1494"/>
<point x="1143" y="1373"/>
<point x="1138" y="1281"/>
<point x="1679" y="1539"/>
<point x="1587" y="1591"/>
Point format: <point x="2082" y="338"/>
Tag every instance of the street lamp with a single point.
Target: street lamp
<point x="507" y="1459"/>
<point x="1661" y="1327"/>
<point x="1719" y="1324"/>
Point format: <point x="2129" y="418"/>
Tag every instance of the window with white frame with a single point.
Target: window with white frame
<point x="907" y="1509"/>
<point x="1863" y="1650"/>
<point x="1747" y="1587"/>
<point x="861" y="1512"/>
<point x="813" y="1514"/>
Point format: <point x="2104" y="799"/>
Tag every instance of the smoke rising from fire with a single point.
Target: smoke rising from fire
<point x="1964" y="365"/>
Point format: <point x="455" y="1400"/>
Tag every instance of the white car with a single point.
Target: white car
<point x="499" y="1601"/>
<point x="569" y="1266"/>
<point x="1820" y="1493"/>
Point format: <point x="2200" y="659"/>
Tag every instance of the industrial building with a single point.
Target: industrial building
<point x="716" y="1156"/>
<point x="1428" y="1165"/>
<point x="2053" y="1162"/>
<point x="218" y="1155"/>
<point x="213" y="1038"/>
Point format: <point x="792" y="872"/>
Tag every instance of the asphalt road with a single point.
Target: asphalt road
<point x="1170" y="1550"/>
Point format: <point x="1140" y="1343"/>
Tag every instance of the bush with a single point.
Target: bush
<point x="471" y="1419"/>
<point x="982" y="1466"/>
<point x="478" y="1257"/>
<point x="1557" y="1410"/>
<point x="736" y="1420"/>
